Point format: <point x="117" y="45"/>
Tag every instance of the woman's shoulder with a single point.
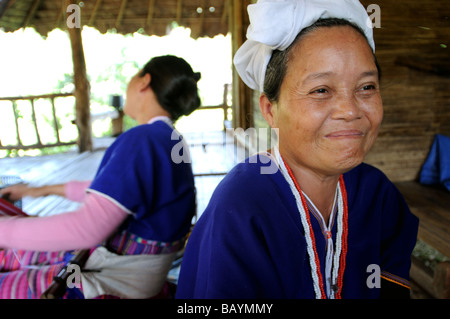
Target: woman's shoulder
<point x="369" y="179"/>
<point x="144" y="134"/>
<point x="367" y="172"/>
<point x="255" y="180"/>
<point x="252" y="171"/>
<point x="157" y="128"/>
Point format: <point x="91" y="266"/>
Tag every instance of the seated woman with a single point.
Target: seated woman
<point x="136" y="212"/>
<point x="324" y="224"/>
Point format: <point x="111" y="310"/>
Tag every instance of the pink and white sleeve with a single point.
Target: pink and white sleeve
<point x="84" y="228"/>
<point x="76" y="190"/>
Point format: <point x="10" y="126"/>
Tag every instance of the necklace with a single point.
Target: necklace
<point x="342" y="232"/>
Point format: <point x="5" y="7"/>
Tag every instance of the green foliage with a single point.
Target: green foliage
<point x="428" y="255"/>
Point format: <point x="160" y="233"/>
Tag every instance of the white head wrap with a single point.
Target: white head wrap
<point x="274" y="25"/>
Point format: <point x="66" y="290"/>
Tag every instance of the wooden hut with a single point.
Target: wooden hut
<point x="152" y="17"/>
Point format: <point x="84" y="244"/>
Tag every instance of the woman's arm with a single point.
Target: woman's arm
<point x="84" y="228"/>
<point x="16" y="192"/>
<point x="73" y="190"/>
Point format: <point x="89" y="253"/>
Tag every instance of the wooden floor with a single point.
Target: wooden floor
<point x="213" y="155"/>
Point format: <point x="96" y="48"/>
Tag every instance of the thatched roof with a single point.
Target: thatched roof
<point x="152" y="17"/>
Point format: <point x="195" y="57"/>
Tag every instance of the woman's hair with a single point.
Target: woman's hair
<point x="276" y="69"/>
<point x="174" y="83"/>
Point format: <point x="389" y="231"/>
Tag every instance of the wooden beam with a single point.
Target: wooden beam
<point x="82" y="88"/>
<point x="179" y="11"/>
<point x="225" y="12"/>
<point x="61" y="15"/>
<point x="33" y="116"/>
<point x="151" y="9"/>
<point x="31" y="13"/>
<point x="16" y="119"/>
<point x="5" y="5"/>
<point x="242" y="101"/>
<point x="121" y="12"/>
<point x="55" y="121"/>
<point x="202" y="16"/>
<point x="42" y="96"/>
<point x="94" y="12"/>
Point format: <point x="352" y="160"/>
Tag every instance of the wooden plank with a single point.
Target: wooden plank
<point x="179" y="11"/>
<point x="94" y="12"/>
<point x="441" y="281"/>
<point x="31" y="13"/>
<point x="422" y="276"/>
<point x="16" y="119"/>
<point x="121" y="13"/>
<point x="35" y="97"/>
<point x="151" y="9"/>
<point x="33" y="116"/>
<point x="55" y="121"/>
<point x="432" y="206"/>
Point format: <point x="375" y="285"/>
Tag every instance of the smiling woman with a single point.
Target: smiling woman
<point x="329" y="105"/>
<point x="314" y="227"/>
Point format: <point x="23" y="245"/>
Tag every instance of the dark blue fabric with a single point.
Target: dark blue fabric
<point x="139" y="173"/>
<point x="436" y="169"/>
<point x="249" y="242"/>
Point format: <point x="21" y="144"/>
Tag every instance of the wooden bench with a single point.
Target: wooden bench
<point x="431" y="204"/>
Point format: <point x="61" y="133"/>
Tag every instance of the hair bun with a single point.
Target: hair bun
<point x="197" y="76"/>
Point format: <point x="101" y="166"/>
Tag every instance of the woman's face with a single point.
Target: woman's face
<point x="132" y="96"/>
<point x="330" y="109"/>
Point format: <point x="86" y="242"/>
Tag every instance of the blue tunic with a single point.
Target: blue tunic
<point x="249" y="242"/>
<point x="137" y="171"/>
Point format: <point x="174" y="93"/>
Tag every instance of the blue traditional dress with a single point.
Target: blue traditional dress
<point x="250" y="242"/>
<point x="139" y="173"/>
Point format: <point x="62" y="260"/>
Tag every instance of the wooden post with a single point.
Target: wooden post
<point x="242" y="101"/>
<point x="442" y="280"/>
<point x="82" y="88"/>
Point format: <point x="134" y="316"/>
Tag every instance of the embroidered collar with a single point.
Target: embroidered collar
<point x="341" y="237"/>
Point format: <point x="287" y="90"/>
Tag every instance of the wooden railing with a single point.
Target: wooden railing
<point x="224" y="106"/>
<point x="38" y="137"/>
<point x="115" y="115"/>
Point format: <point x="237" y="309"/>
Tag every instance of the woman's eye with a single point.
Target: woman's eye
<point x="369" y="87"/>
<point x="368" y="90"/>
<point x="320" y="91"/>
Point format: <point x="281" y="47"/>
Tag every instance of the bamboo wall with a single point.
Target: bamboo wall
<point x="413" y="39"/>
<point x="413" y="49"/>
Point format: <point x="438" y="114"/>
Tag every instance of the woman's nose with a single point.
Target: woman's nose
<point x="347" y="107"/>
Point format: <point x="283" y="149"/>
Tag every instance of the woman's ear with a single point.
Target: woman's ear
<point x="267" y="109"/>
<point x="145" y="82"/>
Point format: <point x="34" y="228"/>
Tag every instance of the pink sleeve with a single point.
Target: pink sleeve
<point x="84" y="228"/>
<point x="76" y="190"/>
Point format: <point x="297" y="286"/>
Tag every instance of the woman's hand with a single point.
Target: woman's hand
<point x="16" y="192"/>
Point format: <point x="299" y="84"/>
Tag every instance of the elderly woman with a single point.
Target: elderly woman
<point x="136" y="212"/>
<point x="324" y="225"/>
